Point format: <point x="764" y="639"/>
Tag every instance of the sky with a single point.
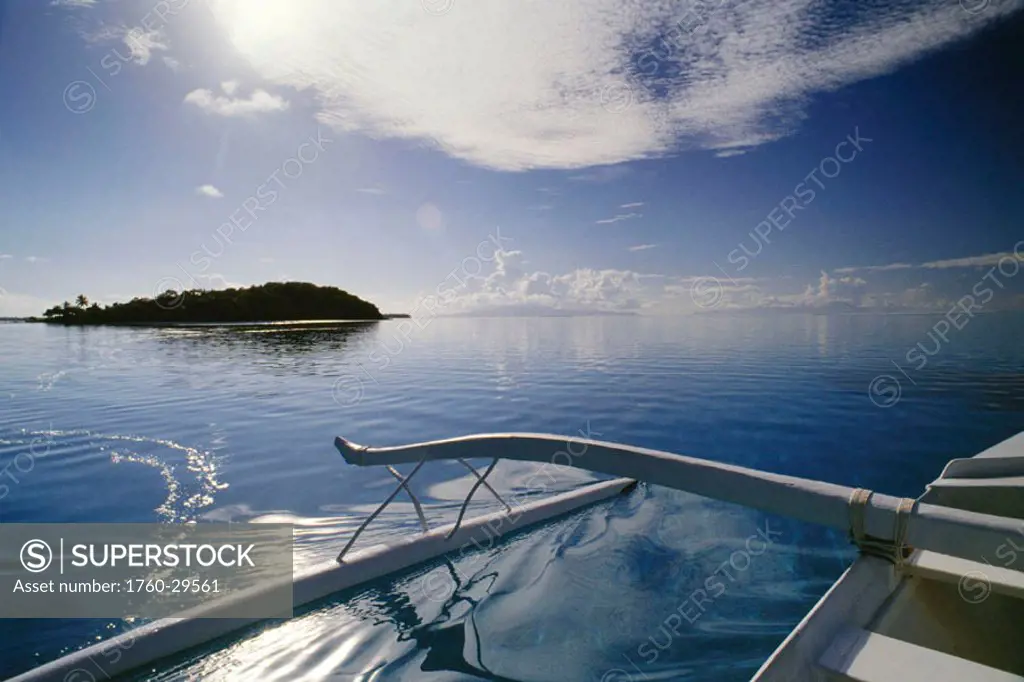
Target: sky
<point x="500" y="157"/>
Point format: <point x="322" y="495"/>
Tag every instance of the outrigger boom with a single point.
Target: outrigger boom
<point x="879" y="524"/>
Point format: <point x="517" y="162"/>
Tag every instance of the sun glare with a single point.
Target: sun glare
<point x="253" y="24"/>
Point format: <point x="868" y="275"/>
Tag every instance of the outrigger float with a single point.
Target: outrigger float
<point x="923" y="602"/>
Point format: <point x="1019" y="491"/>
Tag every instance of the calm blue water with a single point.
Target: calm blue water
<point x="137" y="425"/>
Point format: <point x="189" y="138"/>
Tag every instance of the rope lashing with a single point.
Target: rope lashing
<point x="894" y="551"/>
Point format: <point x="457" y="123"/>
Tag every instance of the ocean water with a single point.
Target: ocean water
<point x="179" y="425"/>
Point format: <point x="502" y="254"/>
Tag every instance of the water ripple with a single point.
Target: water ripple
<point x="141" y="425"/>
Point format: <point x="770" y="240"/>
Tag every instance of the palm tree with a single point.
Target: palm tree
<point x="82" y="301"/>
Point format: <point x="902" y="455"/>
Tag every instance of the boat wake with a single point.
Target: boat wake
<point x="189" y="475"/>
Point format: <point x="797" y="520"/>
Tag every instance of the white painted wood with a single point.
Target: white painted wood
<point x="988" y="467"/>
<point x="996" y="496"/>
<point x="1011" y="447"/>
<point x="948" y="569"/>
<point x="858" y="655"/>
<point x="852" y="601"/>
<point x="957" y="620"/>
<point x="956" y="532"/>
<point x="172" y="635"/>
<point x="1015" y="482"/>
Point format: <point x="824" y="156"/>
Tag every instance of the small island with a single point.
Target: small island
<point x="271" y="302"/>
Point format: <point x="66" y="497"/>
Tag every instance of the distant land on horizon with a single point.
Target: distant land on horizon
<point x="270" y="302"/>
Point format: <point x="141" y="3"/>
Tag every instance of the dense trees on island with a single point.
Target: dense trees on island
<point x="271" y="302"/>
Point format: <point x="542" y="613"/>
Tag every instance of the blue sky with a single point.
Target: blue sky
<point x="610" y="155"/>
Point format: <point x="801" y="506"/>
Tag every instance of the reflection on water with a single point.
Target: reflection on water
<point x="273" y="348"/>
<point x="573" y="600"/>
<point x="276" y="339"/>
<point x="236" y="424"/>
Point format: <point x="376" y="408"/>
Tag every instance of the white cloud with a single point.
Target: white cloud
<point x="209" y="191"/>
<point x="142" y="44"/>
<point x="540" y="84"/>
<point x="226" y="105"/>
<point x="35" y="259"/>
<point x="172" y="63"/>
<point x="511" y="287"/>
<point x="371" y="190"/>
<point x="215" y="280"/>
<point x="540" y="207"/>
<point x="827" y="290"/>
<point x="878" y="268"/>
<point x="681" y="293"/>
<point x="73" y="3"/>
<point x="618" y="218"/>
<point x="5" y="256"/>
<point x="635" y="204"/>
<point x="981" y="261"/>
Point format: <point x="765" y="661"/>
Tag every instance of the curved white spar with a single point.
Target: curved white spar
<point x="946" y="530"/>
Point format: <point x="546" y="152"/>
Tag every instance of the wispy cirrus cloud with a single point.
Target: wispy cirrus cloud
<point x="635" y="204"/>
<point x="260" y="101"/>
<point x="983" y="260"/>
<point x="618" y="218"/>
<point x="744" y="77"/>
<point x="642" y="247"/>
<point x="377" y="191"/>
<point x="141" y="42"/>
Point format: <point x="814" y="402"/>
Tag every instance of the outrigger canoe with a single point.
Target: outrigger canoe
<point x="936" y="593"/>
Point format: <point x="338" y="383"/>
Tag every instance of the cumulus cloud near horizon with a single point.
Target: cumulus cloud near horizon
<point x="538" y="84"/>
<point x="507" y="286"/>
